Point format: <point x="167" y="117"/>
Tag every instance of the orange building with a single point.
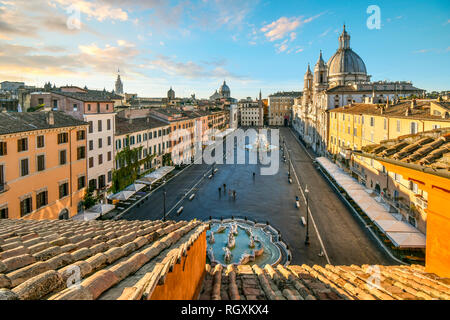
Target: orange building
<point x="42" y="165"/>
<point x="426" y="163"/>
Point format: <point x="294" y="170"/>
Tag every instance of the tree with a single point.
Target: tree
<point x="89" y="199"/>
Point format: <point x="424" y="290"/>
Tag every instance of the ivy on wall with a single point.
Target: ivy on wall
<point x="129" y="164"/>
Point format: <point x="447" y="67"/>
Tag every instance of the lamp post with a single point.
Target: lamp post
<point x="164" y="201"/>
<point x="307" y="217"/>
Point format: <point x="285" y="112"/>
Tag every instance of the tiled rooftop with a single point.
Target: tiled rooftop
<point x="429" y="149"/>
<point x="420" y="111"/>
<point x="116" y="260"/>
<point x="322" y="283"/>
<point x="90" y="95"/>
<point x="11" y="122"/>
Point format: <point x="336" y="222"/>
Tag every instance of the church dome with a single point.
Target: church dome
<point x="345" y="60"/>
<point x="224" y="89"/>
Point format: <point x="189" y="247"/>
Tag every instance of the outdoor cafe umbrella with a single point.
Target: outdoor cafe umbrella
<point x="123" y="195"/>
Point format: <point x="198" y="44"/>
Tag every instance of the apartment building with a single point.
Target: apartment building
<point x="43" y="167"/>
<point x="150" y="134"/>
<point x="280" y="108"/>
<point x="97" y="109"/>
<point x="361" y="125"/>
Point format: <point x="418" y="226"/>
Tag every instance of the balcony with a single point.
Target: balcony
<point x="421" y="202"/>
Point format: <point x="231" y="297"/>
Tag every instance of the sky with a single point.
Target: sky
<point x="194" y="45"/>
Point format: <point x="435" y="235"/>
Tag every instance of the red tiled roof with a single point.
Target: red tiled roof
<point x="323" y="283"/>
<point x="37" y="258"/>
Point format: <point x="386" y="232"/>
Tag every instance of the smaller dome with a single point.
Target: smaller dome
<point x="224" y="88"/>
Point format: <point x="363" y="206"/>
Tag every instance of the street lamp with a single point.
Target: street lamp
<point x="307" y="217"/>
<point x="164" y="202"/>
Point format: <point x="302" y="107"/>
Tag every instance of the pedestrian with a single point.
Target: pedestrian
<point x="224" y="187"/>
<point x="220" y="191"/>
<point x="234" y="194"/>
<point x="254" y="174"/>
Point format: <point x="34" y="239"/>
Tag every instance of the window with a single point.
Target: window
<point x="109" y="176"/>
<point x="22" y="145"/>
<point x="3" y="213"/>
<point x="100" y="159"/>
<point x="118" y="144"/>
<point x="100" y="143"/>
<point x="3" y="149"/>
<point x="101" y="182"/>
<point x="75" y="107"/>
<point x="109" y="156"/>
<point x="372" y="121"/>
<point x="413" y="127"/>
<point x="108" y="124"/>
<point x="41" y="162"/>
<point x="398" y="126"/>
<point x="63" y="190"/>
<point x="26" y="206"/>
<point x="91" y="162"/>
<point x="91" y="145"/>
<point x="40" y="101"/>
<point x="99" y="125"/>
<point x="62" y="157"/>
<point x="159" y="132"/>
<point x="41" y="199"/>
<point x="91" y="127"/>
<point x="132" y="140"/>
<point x="93" y="184"/>
<point x="81" y="182"/>
<point x="109" y="141"/>
<point x="150" y="135"/>
<point x="24" y="169"/>
<point x="81" y="135"/>
<point x="2" y="177"/>
<point x="81" y="153"/>
<point x="89" y="107"/>
<point x="40" y="143"/>
<point x="63" y="138"/>
<point x="385" y="124"/>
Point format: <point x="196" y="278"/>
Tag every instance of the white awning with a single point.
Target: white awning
<point x="395" y="226"/>
<point x="122" y="195"/>
<point x="407" y="239"/>
<point x="135" y="187"/>
<point x="402" y="234"/>
<point x="155" y="175"/>
<point x="94" y="212"/>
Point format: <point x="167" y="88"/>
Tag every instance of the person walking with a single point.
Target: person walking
<point x="220" y="191"/>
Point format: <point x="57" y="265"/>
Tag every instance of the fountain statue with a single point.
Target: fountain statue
<point x="211" y="255"/>
<point x="231" y="240"/>
<point x="227" y="255"/>
<point x="252" y="242"/>
<point x="234" y="229"/>
<point x="212" y="240"/>
<point x="221" y="229"/>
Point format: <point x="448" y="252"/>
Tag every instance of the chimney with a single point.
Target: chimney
<point x="408" y="111"/>
<point x="50" y="118"/>
<point x="387" y="102"/>
<point x="413" y="104"/>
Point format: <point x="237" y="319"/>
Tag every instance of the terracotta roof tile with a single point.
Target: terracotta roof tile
<point x="326" y="283"/>
<point x="41" y="257"/>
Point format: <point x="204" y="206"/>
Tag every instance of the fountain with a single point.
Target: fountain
<point x="260" y="144"/>
<point x="243" y="242"/>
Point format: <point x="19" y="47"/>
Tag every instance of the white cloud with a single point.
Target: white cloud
<point x="279" y="29"/>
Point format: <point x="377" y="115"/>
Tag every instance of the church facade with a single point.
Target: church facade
<point x="341" y="81"/>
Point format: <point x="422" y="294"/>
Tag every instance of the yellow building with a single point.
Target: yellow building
<point x="356" y="126"/>
<point x="42" y="165"/>
<point x="424" y="160"/>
